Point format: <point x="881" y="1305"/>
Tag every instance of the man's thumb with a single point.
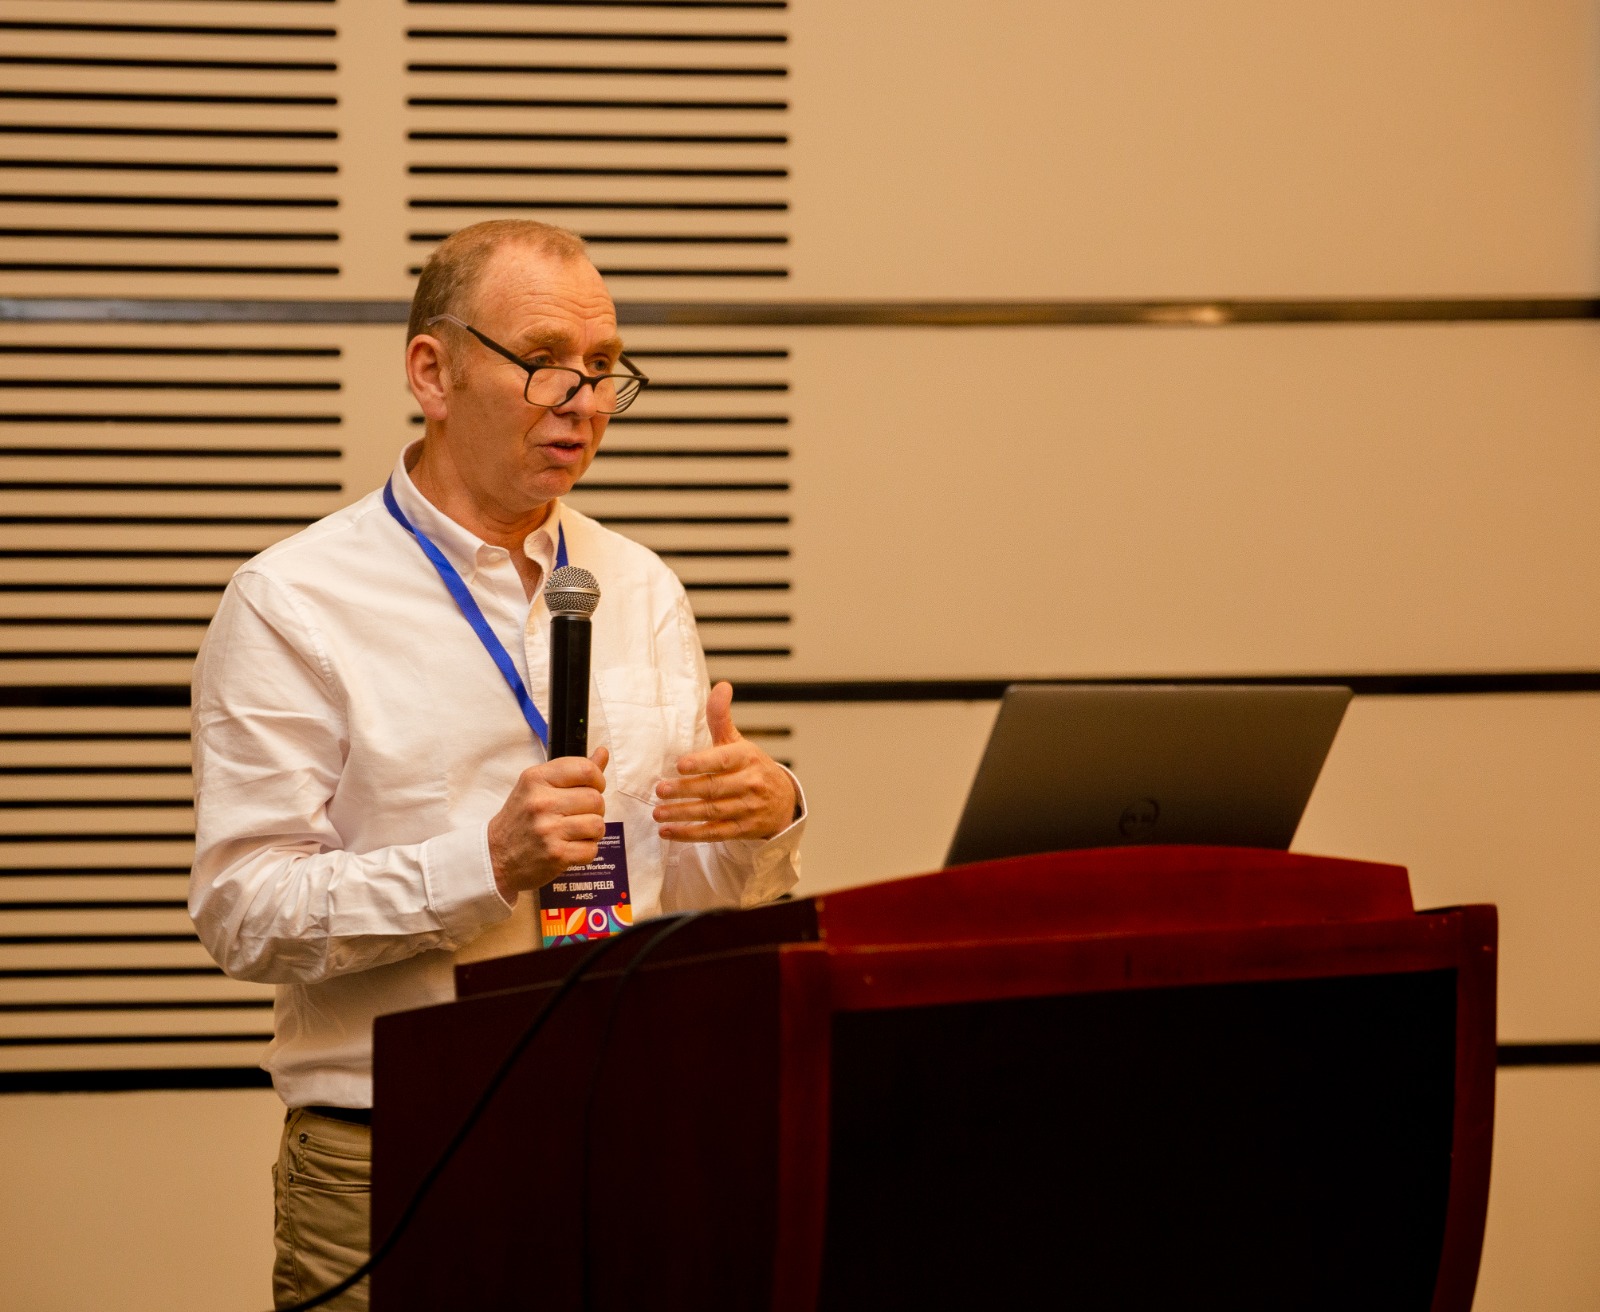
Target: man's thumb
<point x="719" y="715"/>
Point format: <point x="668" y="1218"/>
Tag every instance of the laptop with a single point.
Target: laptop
<point x="1075" y="766"/>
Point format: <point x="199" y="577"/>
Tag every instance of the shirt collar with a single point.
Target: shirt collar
<point x="463" y="548"/>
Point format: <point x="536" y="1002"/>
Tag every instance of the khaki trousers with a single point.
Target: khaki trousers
<point x="321" y="1192"/>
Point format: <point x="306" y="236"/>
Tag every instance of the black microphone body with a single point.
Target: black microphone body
<point x="572" y="595"/>
<point x="569" y="685"/>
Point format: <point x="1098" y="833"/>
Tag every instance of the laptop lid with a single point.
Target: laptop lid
<point x="1075" y="766"/>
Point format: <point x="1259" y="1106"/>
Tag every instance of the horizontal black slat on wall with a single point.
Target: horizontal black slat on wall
<point x="1420" y="684"/>
<point x="1510" y="1055"/>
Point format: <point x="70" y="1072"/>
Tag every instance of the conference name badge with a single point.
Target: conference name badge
<point x="592" y="901"/>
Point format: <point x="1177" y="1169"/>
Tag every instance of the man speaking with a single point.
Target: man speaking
<point x="374" y="792"/>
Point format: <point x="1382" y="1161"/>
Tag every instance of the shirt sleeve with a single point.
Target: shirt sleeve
<point x="741" y="873"/>
<point x="273" y="893"/>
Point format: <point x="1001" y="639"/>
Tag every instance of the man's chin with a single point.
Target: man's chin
<point x="554" y="483"/>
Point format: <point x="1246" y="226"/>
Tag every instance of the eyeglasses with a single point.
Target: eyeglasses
<point x="551" y="385"/>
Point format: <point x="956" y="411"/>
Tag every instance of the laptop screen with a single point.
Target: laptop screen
<point x="1076" y="766"/>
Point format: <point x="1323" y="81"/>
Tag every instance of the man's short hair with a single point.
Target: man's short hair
<point x="451" y="275"/>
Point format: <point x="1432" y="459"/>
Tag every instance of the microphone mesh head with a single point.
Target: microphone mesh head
<point x="572" y="591"/>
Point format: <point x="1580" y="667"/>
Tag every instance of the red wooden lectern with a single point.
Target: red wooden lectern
<point x="1134" y="1078"/>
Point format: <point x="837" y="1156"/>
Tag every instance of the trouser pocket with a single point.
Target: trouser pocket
<point x="322" y="1185"/>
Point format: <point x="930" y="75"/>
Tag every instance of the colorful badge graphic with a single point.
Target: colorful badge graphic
<point x="591" y="901"/>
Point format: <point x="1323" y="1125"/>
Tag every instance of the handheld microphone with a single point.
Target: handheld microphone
<point x="572" y="595"/>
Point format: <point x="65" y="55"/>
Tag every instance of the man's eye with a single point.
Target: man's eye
<point x="537" y="361"/>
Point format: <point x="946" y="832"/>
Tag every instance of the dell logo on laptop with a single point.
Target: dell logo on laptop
<point x="1139" y="818"/>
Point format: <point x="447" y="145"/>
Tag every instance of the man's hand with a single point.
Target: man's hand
<point x="733" y="789"/>
<point x="553" y="820"/>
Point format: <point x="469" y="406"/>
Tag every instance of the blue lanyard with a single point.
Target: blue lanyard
<point x="469" y="607"/>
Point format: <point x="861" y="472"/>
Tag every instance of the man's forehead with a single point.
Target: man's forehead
<point x="544" y="301"/>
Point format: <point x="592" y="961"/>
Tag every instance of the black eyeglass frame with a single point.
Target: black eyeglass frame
<point x="592" y="380"/>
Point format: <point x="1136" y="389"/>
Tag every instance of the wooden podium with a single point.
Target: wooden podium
<point x="1136" y="1078"/>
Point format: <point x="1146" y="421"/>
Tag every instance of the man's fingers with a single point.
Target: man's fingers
<point x="726" y="784"/>
<point x="577" y="801"/>
<point x="715" y="760"/>
<point x="719" y="808"/>
<point x="576" y="854"/>
<point x="577" y="841"/>
<point x="719" y="715"/>
<point x="574" y="772"/>
<point x="717" y="831"/>
<point x="585" y="828"/>
<point x="601" y="756"/>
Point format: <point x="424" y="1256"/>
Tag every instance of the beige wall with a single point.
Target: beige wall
<point x="1156" y="149"/>
<point x="144" y="1202"/>
<point x="1193" y="501"/>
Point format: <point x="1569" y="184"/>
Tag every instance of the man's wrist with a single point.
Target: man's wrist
<point x="799" y="810"/>
<point x="495" y="848"/>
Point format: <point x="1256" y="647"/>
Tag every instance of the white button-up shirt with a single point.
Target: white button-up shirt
<point x="352" y="739"/>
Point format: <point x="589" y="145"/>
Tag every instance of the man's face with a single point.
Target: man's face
<point x="516" y="456"/>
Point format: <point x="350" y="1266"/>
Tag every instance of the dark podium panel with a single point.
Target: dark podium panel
<point x="1140" y="1078"/>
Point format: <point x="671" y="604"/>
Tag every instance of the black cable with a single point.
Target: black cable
<point x="568" y="983"/>
<point x="585" y="1175"/>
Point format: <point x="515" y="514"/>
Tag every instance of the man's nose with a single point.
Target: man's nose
<point x="581" y="402"/>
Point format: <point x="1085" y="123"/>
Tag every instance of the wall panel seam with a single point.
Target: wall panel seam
<point x="859" y="314"/>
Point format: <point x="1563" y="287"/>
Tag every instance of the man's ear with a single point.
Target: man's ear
<point x="428" y="372"/>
